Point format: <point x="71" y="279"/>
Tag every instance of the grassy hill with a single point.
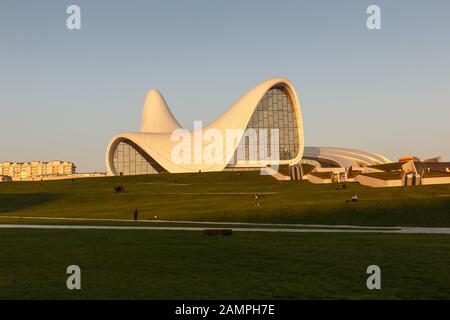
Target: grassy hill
<point x="149" y="264"/>
<point x="227" y="196"/>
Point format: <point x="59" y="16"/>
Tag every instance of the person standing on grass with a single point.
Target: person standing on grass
<point x="256" y="200"/>
<point x="135" y="215"/>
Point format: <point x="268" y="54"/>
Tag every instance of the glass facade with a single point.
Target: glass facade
<point x="274" y="111"/>
<point x="129" y="159"/>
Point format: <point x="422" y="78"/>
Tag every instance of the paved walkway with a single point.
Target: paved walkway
<point x="277" y="175"/>
<point x="292" y="225"/>
<point x="402" y="230"/>
<point x="209" y="193"/>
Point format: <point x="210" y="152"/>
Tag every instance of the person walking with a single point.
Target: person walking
<point x="135" y="215"/>
<point x="256" y="200"/>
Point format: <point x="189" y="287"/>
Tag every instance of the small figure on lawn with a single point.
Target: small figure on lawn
<point x="257" y="203"/>
<point x="135" y="215"/>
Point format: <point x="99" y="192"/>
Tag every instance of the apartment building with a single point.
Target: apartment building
<point x="36" y="169"/>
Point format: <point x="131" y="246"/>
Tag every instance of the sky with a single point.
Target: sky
<point x="65" y="93"/>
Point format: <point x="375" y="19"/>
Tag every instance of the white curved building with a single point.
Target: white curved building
<point x="264" y="127"/>
<point x="342" y="157"/>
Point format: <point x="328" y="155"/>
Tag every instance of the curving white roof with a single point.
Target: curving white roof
<point x="158" y="124"/>
<point x="346" y="157"/>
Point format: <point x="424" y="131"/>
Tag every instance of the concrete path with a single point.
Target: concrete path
<point x="277" y="175"/>
<point x="260" y="224"/>
<point x="402" y="230"/>
<point x="208" y="193"/>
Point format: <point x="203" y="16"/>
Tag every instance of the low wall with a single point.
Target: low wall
<point x="378" y="183"/>
<point x="435" y="180"/>
<point x="334" y="170"/>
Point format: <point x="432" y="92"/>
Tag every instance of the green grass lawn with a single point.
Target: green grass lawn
<point x="387" y="175"/>
<point x="323" y="174"/>
<point x="152" y="264"/>
<point x="186" y="265"/>
<point x="388" y="166"/>
<point x="206" y="197"/>
<point x="435" y="174"/>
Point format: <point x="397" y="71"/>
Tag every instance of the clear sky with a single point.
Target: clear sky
<point x="65" y="93"/>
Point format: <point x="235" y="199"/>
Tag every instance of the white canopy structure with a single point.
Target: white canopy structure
<point x="343" y="157"/>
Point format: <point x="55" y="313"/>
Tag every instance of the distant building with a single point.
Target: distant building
<point x="5" y="178"/>
<point x="36" y="169"/>
<point x="435" y="159"/>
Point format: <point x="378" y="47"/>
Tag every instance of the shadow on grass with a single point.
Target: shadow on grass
<point x="15" y="202"/>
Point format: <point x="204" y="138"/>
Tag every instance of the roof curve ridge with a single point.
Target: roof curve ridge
<point x="156" y="116"/>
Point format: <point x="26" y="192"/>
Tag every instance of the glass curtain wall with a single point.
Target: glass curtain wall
<point x="129" y="159"/>
<point x="274" y="111"/>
